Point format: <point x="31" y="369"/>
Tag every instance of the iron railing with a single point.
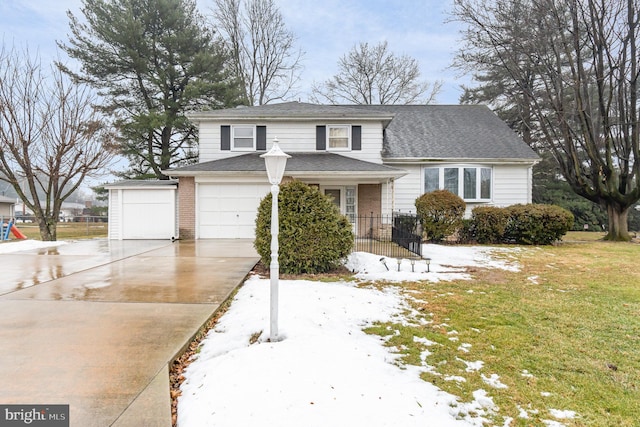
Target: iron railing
<point x="396" y="235"/>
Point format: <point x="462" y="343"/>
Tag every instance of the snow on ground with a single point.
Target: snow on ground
<point x="25" y="245"/>
<point x="447" y="263"/>
<point x="325" y="370"/>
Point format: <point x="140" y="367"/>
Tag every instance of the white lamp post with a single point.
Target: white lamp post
<point x="275" y="162"/>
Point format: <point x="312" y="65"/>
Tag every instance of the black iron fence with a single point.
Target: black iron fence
<point x="395" y="235"/>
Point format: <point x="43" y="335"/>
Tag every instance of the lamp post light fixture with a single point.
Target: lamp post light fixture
<point x="275" y="162"/>
<point x="428" y="260"/>
<point x="384" y="262"/>
<point x="399" y="261"/>
<point x="413" y="264"/>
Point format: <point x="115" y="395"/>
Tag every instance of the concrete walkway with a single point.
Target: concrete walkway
<point x="94" y="324"/>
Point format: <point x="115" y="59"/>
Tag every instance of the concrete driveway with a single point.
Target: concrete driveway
<point x="94" y="324"/>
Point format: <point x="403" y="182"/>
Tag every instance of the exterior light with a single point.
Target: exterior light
<point x="275" y="162"/>
<point x="384" y="262"/>
<point x="428" y="260"/>
<point x="399" y="261"/>
<point x="413" y="263"/>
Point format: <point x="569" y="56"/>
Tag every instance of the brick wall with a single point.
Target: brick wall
<point x="369" y="199"/>
<point x="187" y="207"/>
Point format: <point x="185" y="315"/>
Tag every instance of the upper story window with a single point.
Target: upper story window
<point x="470" y="183"/>
<point x="338" y="137"/>
<point x="243" y="138"/>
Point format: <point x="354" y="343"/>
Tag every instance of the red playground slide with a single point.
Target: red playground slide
<point x="17" y="233"/>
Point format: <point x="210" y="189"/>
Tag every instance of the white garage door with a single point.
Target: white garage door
<point x="148" y="214"/>
<point x="228" y="211"/>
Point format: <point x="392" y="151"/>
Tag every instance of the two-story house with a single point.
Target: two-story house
<point x="369" y="158"/>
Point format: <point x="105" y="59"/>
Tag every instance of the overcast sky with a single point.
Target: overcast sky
<point x="325" y="30"/>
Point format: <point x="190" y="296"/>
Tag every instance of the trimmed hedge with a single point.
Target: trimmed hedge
<point x="536" y="224"/>
<point x="532" y="224"/>
<point x="440" y="213"/>
<point x="314" y="237"/>
<point x="488" y="224"/>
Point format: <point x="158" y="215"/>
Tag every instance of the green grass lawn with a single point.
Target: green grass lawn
<point x="67" y="230"/>
<point x="563" y="333"/>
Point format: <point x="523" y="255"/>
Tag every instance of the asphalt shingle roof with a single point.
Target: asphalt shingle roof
<point x="299" y="162"/>
<point x="291" y="110"/>
<point x="427" y="132"/>
<point x="451" y="131"/>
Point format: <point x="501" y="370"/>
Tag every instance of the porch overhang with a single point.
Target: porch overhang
<point x="300" y="165"/>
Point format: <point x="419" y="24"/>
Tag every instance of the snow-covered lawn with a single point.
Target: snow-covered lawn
<point x="326" y="371"/>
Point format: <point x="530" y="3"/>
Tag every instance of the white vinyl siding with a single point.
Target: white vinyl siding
<point x="511" y="185"/>
<point x="115" y="214"/>
<point x="294" y="137"/>
<point x="407" y="189"/>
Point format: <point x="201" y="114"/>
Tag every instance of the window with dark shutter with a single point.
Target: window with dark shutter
<point x="225" y="137"/>
<point x="261" y="138"/>
<point x="321" y="138"/>
<point x="356" y="137"/>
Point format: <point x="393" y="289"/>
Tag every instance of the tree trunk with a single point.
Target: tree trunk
<point x="618" y="226"/>
<point x="48" y="231"/>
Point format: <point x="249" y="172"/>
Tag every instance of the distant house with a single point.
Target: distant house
<point x="369" y="158"/>
<point x="7" y="207"/>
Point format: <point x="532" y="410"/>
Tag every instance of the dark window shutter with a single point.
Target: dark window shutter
<point x="225" y="137"/>
<point x="356" y="137"/>
<point x="321" y="138"/>
<point x="261" y="138"/>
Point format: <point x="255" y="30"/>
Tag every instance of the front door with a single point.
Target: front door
<point x="344" y="197"/>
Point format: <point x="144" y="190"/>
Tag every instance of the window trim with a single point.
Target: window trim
<point x="461" y="182"/>
<point x="328" y="138"/>
<point x="233" y="137"/>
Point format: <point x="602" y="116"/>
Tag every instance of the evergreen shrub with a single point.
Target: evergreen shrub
<point x="537" y="224"/>
<point x="314" y="237"/>
<point x="440" y="213"/>
<point x="488" y="224"/>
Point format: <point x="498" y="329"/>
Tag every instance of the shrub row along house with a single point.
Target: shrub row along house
<point x="369" y="158"/>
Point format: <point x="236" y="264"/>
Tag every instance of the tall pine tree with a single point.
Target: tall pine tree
<point x="151" y="60"/>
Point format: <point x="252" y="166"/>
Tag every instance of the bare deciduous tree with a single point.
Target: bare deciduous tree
<point x="373" y="75"/>
<point x="577" y="68"/>
<point x="51" y="136"/>
<point x="262" y="49"/>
